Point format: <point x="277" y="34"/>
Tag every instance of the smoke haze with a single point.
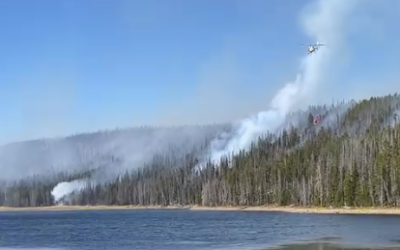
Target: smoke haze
<point x="322" y="21"/>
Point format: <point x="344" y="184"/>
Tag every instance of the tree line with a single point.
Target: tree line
<point x="353" y="159"/>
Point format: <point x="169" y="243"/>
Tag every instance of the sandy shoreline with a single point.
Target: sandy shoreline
<point x="312" y="210"/>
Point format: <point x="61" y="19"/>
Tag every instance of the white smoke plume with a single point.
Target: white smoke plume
<point x="323" y="21"/>
<point x="63" y="189"/>
<point x="131" y="149"/>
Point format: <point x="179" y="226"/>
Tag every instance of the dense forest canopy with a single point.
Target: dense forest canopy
<point x="344" y="154"/>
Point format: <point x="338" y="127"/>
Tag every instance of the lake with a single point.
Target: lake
<point x="197" y="230"/>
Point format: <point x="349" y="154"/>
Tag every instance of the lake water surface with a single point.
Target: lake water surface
<point x="182" y="229"/>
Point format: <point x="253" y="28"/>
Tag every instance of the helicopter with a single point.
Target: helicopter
<point x="314" y="48"/>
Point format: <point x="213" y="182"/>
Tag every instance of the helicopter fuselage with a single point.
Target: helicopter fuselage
<point x="314" y="48"/>
<point x="311" y="49"/>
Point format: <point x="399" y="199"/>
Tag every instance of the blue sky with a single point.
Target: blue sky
<point x="71" y="66"/>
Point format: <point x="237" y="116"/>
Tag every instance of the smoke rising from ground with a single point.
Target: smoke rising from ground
<point x="323" y="21"/>
<point x="105" y="154"/>
<point x="110" y="154"/>
<point x="63" y="189"/>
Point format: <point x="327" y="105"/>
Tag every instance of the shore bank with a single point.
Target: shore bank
<point x="309" y="210"/>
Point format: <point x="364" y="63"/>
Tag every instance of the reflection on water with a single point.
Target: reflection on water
<point x="333" y="243"/>
<point x="194" y="230"/>
<point x="326" y="246"/>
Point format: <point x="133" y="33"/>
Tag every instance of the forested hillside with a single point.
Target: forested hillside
<point x="347" y="158"/>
